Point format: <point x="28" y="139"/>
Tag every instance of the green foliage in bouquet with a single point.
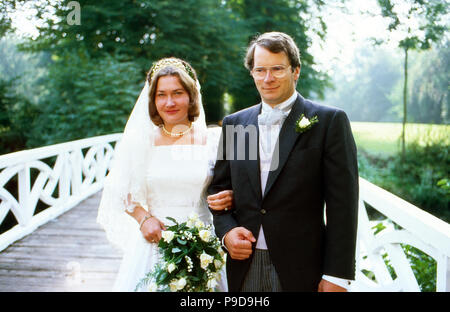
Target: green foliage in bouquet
<point x="191" y="259"/>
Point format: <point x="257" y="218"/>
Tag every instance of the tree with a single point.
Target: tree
<point x="17" y="114"/>
<point x="116" y="41"/>
<point x="25" y="68"/>
<point x="420" y="23"/>
<point x="430" y="102"/>
<point x="143" y="31"/>
<point x="19" y="90"/>
<point x="291" y="17"/>
<point x="85" y="97"/>
<point x="5" y="19"/>
<point x="366" y="90"/>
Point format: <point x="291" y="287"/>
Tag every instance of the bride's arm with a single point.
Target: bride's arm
<point x="150" y="226"/>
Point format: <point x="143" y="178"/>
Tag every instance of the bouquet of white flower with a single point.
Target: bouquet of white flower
<point x="191" y="259"/>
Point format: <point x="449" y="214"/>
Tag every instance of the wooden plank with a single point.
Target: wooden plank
<point x="70" y="253"/>
<point x="85" y="265"/>
<point x="49" y="284"/>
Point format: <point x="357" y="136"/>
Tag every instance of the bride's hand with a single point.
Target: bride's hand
<point x="151" y="229"/>
<point x="221" y="201"/>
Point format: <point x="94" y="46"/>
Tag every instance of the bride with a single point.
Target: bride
<point x="162" y="167"/>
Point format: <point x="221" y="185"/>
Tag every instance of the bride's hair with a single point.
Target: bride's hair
<point x="187" y="77"/>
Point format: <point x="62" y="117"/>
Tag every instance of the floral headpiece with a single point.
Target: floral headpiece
<point x="173" y="62"/>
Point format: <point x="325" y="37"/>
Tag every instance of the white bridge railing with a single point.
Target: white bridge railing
<point x="80" y="167"/>
<point x="384" y="259"/>
<point x="78" y="170"/>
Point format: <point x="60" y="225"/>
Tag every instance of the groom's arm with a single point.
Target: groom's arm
<point x="340" y="178"/>
<point x="223" y="220"/>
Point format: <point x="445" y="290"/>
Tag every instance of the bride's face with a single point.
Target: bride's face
<point x="172" y="101"/>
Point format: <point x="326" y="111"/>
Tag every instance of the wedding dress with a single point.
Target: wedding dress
<point x="176" y="179"/>
<point x="169" y="181"/>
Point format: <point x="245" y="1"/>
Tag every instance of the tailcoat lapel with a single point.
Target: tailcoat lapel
<point x="252" y="165"/>
<point x="286" y="141"/>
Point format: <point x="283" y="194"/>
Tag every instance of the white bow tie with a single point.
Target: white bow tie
<point x="272" y="117"/>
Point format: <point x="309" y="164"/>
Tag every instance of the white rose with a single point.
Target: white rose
<point x="205" y="235"/>
<point x="304" y="122"/>
<point x="205" y="260"/>
<point x="171" y="267"/>
<point x="218" y="264"/>
<point x="167" y="236"/>
<point x="193" y="216"/>
<point x="181" y="283"/>
<point x="173" y="285"/>
<point x="211" y="283"/>
<point x="153" y="287"/>
<point x="190" y="223"/>
<point x="199" y="224"/>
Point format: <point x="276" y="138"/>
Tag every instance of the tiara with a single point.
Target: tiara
<point x="172" y="62"/>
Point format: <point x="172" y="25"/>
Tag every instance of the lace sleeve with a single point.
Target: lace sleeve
<point x="112" y="216"/>
<point x="124" y="188"/>
<point x="134" y="201"/>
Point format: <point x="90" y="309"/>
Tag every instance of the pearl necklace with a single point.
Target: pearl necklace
<point x="179" y="134"/>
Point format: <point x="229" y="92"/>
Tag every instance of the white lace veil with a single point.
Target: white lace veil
<point x="125" y="184"/>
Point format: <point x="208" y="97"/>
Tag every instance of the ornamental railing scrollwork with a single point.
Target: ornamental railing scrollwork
<point x="40" y="184"/>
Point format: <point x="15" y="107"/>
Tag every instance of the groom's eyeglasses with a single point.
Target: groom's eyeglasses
<point x="277" y="71"/>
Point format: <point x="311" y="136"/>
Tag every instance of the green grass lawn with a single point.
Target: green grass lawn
<point x="384" y="138"/>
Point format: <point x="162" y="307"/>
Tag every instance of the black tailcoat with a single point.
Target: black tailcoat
<point x="316" y="168"/>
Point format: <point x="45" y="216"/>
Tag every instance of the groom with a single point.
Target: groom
<point x="295" y="184"/>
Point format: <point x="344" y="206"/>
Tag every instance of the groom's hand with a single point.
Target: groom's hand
<point x="326" y="286"/>
<point x="239" y="243"/>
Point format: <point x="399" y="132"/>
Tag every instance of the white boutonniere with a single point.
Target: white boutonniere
<point x="303" y="124"/>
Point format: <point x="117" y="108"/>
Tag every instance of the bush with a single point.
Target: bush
<point x="421" y="178"/>
<point x="17" y="114"/>
<point x="415" y="177"/>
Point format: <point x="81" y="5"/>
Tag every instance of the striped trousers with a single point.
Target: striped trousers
<point x="261" y="276"/>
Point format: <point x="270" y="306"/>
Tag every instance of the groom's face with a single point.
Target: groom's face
<point x="274" y="90"/>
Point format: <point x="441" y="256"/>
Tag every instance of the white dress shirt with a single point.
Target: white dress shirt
<point x="268" y="136"/>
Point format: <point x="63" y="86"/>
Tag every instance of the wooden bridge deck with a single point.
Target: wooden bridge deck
<point x="70" y="253"/>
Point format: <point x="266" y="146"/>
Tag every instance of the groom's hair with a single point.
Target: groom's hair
<point x="188" y="84"/>
<point x="275" y="42"/>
